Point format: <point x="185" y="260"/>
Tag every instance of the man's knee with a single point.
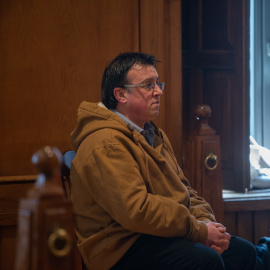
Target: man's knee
<point x="210" y="259"/>
<point x="241" y="253"/>
<point x="182" y="254"/>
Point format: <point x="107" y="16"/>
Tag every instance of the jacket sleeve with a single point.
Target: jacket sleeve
<point x="199" y="208"/>
<point x="119" y="189"/>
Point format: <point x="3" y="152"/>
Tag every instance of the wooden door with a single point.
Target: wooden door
<point x="215" y="72"/>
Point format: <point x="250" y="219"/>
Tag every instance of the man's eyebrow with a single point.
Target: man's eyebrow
<point x="150" y="79"/>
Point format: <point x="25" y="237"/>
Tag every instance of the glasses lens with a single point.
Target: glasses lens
<point x="150" y="86"/>
<point x="161" y="86"/>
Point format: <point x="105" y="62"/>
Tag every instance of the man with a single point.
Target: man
<point x="133" y="207"/>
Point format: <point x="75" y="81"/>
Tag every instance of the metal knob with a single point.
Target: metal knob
<point x="211" y="161"/>
<point x="60" y="242"/>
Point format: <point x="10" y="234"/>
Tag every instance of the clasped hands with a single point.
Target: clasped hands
<point x="217" y="239"/>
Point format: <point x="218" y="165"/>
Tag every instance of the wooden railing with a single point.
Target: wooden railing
<point x="46" y="238"/>
<point x="202" y="165"/>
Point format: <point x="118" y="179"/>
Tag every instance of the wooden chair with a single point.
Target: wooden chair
<point x="65" y="181"/>
<point x="65" y="171"/>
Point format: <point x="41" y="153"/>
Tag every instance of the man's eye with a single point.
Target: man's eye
<point x="149" y="86"/>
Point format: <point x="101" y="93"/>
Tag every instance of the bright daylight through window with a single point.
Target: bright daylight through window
<point x="260" y="93"/>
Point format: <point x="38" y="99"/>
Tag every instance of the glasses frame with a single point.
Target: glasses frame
<point x="146" y="86"/>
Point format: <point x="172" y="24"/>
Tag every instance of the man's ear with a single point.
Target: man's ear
<point x="119" y="94"/>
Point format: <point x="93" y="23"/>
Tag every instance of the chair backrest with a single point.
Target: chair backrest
<point x="65" y="171"/>
<point x="65" y="179"/>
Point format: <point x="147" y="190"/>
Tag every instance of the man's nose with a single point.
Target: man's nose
<point x="157" y="91"/>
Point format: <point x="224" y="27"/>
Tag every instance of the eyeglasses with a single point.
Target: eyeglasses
<point x="148" y="86"/>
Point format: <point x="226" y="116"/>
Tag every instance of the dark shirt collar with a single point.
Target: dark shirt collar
<point x="147" y="132"/>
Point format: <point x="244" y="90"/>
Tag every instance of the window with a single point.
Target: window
<point x="260" y="71"/>
<point x="260" y="93"/>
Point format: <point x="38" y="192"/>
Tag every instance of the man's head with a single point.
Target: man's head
<point x="131" y="85"/>
<point x="115" y="74"/>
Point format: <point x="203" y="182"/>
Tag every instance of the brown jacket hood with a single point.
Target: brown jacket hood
<point x="93" y="117"/>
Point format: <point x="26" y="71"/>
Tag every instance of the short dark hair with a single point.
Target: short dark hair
<point x="116" y="71"/>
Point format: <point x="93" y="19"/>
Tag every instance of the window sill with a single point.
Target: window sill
<point x="255" y="200"/>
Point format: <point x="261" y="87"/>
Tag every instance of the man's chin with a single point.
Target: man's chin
<point x="155" y="115"/>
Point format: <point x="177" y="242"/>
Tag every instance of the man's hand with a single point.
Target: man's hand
<point x="218" y="239"/>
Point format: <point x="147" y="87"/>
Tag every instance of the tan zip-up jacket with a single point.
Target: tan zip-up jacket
<point x="121" y="187"/>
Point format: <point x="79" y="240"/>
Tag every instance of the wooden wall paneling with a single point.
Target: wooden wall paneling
<point x="7" y="246"/>
<point x="173" y="76"/>
<point x="215" y="72"/>
<point x="248" y="216"/>
<point x="250" y="225"/>
<point x="238" y="33"/>
<point x="152" y="40"/>
<point x="217" y="91"/>
<point x="9" y="195"/>
<point x="11" y="190"/>
<point x="247" y="202"/>
<point x="261" y="225"/>
<point x="245" y="225"/>
<point x="240" y="224"/>
<point x="52" y="55"/>
<point x="160" y="34"/>
<point x="190" y="170"/>
<point x="192" y="87"/>
<point x="230" y="222"/>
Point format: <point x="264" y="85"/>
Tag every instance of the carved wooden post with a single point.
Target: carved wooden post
<point x="45" y="227"/>
<point x="202" y="164"/>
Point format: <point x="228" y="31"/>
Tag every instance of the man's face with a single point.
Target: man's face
<point x="142" y="105"/>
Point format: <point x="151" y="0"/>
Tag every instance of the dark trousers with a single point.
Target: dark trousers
<point x="152" y="252"/>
